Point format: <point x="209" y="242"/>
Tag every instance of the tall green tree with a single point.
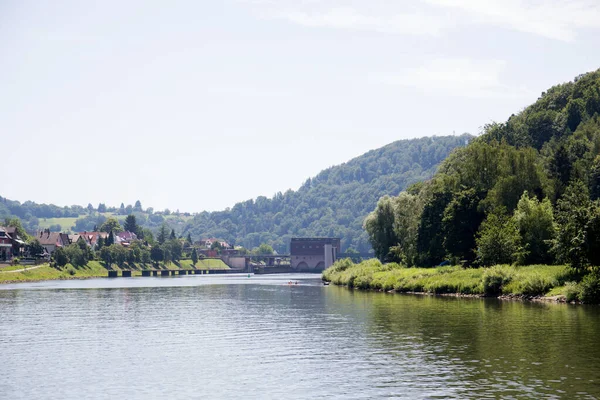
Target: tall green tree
<point x="407" y="215"/>
<point x="498" y="239"/>
<point x="194" y="256"/>
<point x="111" y="225"/>
<point x="573" y="216"/>
<point x="110" y="239"/>
<point x="534" y="220"/>
<point x="460" y="224"/>
<point x="61" y="258"/>
<point x="131" y="224"/>
<point x="380" y="228"/>
<point x="162" y="235"/>
<point x="430" y="236"/>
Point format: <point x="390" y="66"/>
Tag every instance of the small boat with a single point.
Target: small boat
<point x="325" y="283"/>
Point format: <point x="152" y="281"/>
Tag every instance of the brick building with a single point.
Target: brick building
<point x="313" y="254"/>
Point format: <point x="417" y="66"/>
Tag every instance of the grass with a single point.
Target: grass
<point x="65" y="223"/>
<point x="210" y="263"/>
<point x="94" y="269"/>
<point x="534" y="280"/>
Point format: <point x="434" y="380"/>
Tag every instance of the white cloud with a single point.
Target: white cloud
<point x="554" y="19"/>
<point x="351" y="18"/>
<point x="456" y="77"/>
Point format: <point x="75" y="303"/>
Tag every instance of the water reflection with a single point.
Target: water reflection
<point x="261" y="338"/>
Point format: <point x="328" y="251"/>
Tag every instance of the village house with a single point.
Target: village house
<point x="50" y="241"/>
<point x="91" y="238"/>
<point x="125" y="238"/>
<point x="209" y="242"/>
<point x="6" y="245"/>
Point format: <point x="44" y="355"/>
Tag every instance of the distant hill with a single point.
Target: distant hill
<point x="333" y="203"/>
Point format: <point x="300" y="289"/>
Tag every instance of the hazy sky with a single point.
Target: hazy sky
<point x="196" y="105"/>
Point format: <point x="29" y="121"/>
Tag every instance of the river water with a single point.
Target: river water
<point x="261" y="338"/>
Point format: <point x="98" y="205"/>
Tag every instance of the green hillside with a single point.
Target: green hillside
<point x="525" y="192"/>
<point x="333" y="203"/>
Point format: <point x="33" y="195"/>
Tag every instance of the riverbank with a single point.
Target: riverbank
<point x="540" y="282"/>
<point x="94" y="269"/>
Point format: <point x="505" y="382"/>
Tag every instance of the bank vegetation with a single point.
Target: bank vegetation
<point x="559" y="282"/>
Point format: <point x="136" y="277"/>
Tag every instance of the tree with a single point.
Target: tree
<point x="16" y="223"/>
<point x="35" y="248"/>
<point x="61" y="258"/>
<point x="146" y="235"/>
<point x="497" y="240"/>
<point x="430" y="238"/>
<point x="263" y="250"/>
<point x="122" y="209"/>
<point x="157" y="254"/>
<point x="216" y="245"/>
<point x="380" y="228"/>
<point x="162" y="234"/>
<point x="460" y="224"/>
<point x="90" y="208"/>
<point x="172" y="236"/>
<point x="188" y="239"/>
<point x="106" y="256"/>
<point x="407" y="214"/>
<point x="100" y="243"/>
<point x="101" y="208"/>
<point x="572" y="217"/>
<point x="111" y="225"/>
<point x="110" y="239"/>
<point x="194" y="256"/>
<point x="77" y="256"/>
<point x="138" y="206"/>
<point x="534" y="221"/>
<point x="174" y="248"/>
<point x="131" y="224"/>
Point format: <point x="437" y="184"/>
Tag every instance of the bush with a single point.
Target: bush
<point x="572" y="291"/>
<point x="71" y="271"/>
<point x="536" y="284"/>
<point x="494" y="279"/>
<point x="590" y="288"/>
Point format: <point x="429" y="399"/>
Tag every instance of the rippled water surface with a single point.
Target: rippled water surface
<point x="260" y="338"/>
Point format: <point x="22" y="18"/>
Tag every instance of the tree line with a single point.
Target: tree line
<point x="526" y="191"/>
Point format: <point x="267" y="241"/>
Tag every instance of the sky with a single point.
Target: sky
<point x="196" y="105"/>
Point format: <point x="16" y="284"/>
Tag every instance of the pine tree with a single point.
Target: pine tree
<point x="194" y="256"/>
<point x="110" y="240"/>
<point x="131" y="224"/>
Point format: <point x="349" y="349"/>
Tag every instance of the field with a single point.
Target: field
<point x="65" y="223"/>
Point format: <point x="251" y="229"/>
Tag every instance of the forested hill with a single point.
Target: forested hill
<point x="334" y="203"/>
<point x="525" y="191"/>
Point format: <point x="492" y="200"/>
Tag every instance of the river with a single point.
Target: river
<point x="260" y="338"/>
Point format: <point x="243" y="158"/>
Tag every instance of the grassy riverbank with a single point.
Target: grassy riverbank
<point x="94" y="269"/>
<point x="500" y="280"/>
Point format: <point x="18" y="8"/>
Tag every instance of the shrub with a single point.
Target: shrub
<point x="590" y="288"/>
<point x="536" y="284"/>
<point x="572" y="291"/>
<point x="494" y="279"/>
<point x="71" y="271"/>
